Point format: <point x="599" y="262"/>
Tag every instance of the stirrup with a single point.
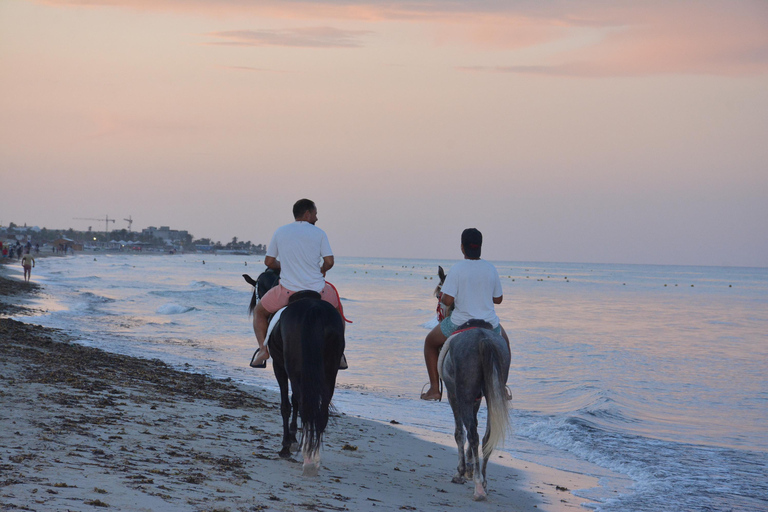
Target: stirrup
<point x="253" y="364"/>
<point x="343" y="363"/>
<point x="507" y="393"/>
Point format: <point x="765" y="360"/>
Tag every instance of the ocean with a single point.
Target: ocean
<point x="652" y="378"/>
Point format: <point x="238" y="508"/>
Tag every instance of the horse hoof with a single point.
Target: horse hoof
<point x="479" y="492"/>
<point x="458" y="480"/>
<point x="285" y="453"/>
<point x="310" y="470"/>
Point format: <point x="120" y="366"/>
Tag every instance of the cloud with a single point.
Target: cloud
<point x="652" y="37"/>
<point x="712" y="38"/>
<point x="308" y="37"/>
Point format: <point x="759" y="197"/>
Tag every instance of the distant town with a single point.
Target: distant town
<point x="151" y="239"/>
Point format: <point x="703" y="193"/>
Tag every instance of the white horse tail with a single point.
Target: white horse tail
<point x="495" y="398"/>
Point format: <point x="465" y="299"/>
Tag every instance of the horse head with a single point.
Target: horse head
<point x="265" y="282"/>
<point x="441" y="275"/>
<point x="442" y="311"/>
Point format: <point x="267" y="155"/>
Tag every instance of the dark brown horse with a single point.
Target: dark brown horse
<point x="306" y="346"/>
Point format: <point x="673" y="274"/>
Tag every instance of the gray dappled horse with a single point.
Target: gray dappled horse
<point x="474" y="362"/>
<point x="306" y="346"/>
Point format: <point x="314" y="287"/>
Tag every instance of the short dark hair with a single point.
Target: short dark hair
<point x="301" y="206"/>
<point x="472" y="241"/>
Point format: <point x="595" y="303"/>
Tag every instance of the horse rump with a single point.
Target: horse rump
<point x="476" y="364"/>
<point x="313" y="336"/>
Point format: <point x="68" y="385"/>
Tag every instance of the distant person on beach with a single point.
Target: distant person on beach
<point x="301" y="247"/>
<point x="27" y="262"/>
<point x="472" y="287"/>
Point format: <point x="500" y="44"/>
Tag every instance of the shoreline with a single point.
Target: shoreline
<point x="81" y="426"/>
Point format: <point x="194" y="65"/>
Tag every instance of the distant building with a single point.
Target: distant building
<point x="66" y="243"/>
<point x="166" y="234"/>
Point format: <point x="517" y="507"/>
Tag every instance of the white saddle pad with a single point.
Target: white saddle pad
<point x="272" y="324"/>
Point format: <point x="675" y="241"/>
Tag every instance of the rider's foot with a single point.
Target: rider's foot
<point x="432" y="395"/>
<point x="259" y="359"/>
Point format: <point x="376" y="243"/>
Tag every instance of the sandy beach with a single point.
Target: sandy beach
<point x="84" y="429"/>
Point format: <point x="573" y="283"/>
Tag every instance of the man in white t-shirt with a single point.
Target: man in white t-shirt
<point x="305" y="256"/>
<point x="472" y="287"/>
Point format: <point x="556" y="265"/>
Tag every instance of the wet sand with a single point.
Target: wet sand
<point x="84" y="429"/>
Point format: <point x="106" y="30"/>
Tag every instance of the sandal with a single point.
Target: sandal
<point x="262" y="364"/>
<point x="439" y="399"/>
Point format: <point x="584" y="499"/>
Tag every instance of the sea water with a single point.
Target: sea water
<point x="652" y="378"/>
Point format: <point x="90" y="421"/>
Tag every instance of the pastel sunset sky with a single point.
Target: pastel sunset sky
<point x="575" y="131"/>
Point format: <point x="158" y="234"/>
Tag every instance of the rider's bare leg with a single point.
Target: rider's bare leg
<point x="260" y="324"/>
<point x="432" y="344"/>
<point x="506" y="338"/>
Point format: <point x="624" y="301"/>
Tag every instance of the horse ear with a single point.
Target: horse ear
<point x="441" y="273"/>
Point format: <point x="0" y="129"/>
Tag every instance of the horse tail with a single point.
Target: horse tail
<point x="313" y="383"/>
<point x="495" y="399"/>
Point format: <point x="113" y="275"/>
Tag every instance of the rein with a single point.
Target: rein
<point x="465" y="329"/>
<point x="440" y="315"/>
<point x="338" y="299"/>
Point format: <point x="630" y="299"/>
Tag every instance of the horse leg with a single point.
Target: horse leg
<point x="472" y="456"/>
<point x="474" y="441"/>
<point x="294" y="427"/>
<point x="311" y="465"/>
<point x="485" y="459"/>
<point x="458" y="435"/>
<point x="311" y="456"/>
<point x="285" y="411"/>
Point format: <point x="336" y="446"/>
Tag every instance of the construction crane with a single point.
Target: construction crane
<point x="129" y="220"/>
<point x="105" y="220"/>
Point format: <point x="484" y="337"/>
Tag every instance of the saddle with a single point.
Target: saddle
<point x="473" y="323"/>
<point x="304" y="294"/>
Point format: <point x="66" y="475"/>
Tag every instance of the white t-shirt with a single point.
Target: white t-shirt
<point x="301" y="247"/>
<point x="473" y="284"/>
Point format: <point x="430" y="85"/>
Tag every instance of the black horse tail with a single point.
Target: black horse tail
<point x="495" y="399"/>
<point x="314" y="392"/>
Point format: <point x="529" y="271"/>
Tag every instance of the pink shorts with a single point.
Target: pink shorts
<point x="277" y="298"/>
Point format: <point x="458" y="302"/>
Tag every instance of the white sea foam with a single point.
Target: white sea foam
<point x="173" y="309"/>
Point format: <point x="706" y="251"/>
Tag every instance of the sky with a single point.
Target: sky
<point x="566" y="131"/>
